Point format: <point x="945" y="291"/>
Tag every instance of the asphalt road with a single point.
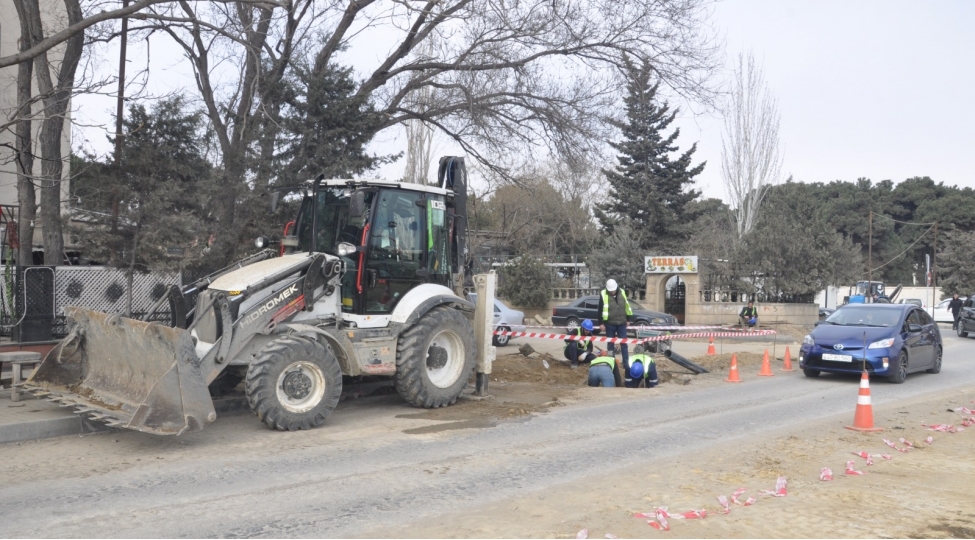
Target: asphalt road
<point x="354" y="479"/>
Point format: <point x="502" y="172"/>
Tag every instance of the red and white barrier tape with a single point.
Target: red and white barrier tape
<point x="634" y="341"/>
<point x="779" y="488"/>
<point x="850" y="470"/>
<point x="653" y="327"/>
<point x="826" y="474"/>
<point x="902" y="450"/>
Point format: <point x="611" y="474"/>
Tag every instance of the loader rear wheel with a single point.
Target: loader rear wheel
<point x="435" y="358"/>
<point x="294" y="383"/>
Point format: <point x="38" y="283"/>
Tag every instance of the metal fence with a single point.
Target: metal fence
<point x="91" y="287"/>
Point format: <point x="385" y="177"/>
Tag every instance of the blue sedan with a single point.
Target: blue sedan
<point x="888" y="340"/>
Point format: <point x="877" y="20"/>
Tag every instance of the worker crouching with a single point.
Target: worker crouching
<point x="642" y="370"/>
<point x="604" y="371"/>
<point x="581" y="350"/>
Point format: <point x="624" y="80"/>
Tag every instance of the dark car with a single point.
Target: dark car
<point x="889" y="340"/>
<point x="966" y="317"/>
<point x="587" y="307"/>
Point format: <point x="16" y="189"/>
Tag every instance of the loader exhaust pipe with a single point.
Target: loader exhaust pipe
<point x="126" y="373"/>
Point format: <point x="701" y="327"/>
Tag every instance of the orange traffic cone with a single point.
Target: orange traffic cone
<point x="863" y="419"/>
<point x="766" y="367"/>
<point x="711" y="346"/>
<point x="787" y="361"/>
<point x="733" y="372"/>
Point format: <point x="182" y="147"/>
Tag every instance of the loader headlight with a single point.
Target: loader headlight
<point x="345" y="249"/>
<point x="262" y="242"/>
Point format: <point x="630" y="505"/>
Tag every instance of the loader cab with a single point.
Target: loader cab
<point x="401" y="239"/>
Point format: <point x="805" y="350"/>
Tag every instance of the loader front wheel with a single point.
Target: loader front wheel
<point x="294" y="383"/>
<point x="435" y="358"/>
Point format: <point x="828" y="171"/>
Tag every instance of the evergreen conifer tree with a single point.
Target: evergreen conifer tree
<point x="648" y="188"/>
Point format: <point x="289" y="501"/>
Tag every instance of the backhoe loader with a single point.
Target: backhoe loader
<point x="362" y="286"/>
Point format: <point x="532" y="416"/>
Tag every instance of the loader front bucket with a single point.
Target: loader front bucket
<point x="126" y="373"/>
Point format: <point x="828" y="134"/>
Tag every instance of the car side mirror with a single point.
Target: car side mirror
<point x="914" y="328"/>
<point x="357" y="204"/>
<point x="275" y="199"/>
<point x="818" y="323"/>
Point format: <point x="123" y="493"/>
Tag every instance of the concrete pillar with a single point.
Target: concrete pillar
<point x="484" y="286"/>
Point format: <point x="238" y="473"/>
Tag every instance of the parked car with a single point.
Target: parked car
<point x="916" y="301"/>
<point x="587" y="308"/>
<point x="899" y="339"/>
<point x="941" y="313"/>
<point x="505" y="318"/>
<point x="966" y="319"/>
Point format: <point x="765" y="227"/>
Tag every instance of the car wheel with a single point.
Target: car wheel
<point x="900" y="370"/>
<point x="811" y="373"/>
<point x="572" y="322"/>
<point x="501" y="341"/>
<point x="961" y="330"/>
<point x="936" y="368"/>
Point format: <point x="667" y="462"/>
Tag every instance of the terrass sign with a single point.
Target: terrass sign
<point x="670" y="265"/>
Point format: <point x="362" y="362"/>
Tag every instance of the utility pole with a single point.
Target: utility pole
<point x="119" y="112"/>
<point x="934" y="266"/>
<point x="869" y="294"/>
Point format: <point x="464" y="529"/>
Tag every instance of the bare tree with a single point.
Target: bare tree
<point x="750" y="158"/>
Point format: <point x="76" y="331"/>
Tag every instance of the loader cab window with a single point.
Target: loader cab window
<point x="396" y="249"/>
<point x="438" y="240"/>
<point x="334" y="223"/>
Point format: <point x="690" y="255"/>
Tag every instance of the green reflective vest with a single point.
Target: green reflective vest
<point x="626" y="303"/>
<point x="645" y="359"/>
<point x="608" y="360"/>
<point x="582" y="343"/>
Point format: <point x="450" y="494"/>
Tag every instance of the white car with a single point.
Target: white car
<point x="941" y="313"/>
<point x="505" y="318"/>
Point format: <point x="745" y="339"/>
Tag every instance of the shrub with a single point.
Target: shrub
<point x="526" y="282"/>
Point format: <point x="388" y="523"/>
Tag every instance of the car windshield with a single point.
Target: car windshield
<point x="868" y="316"/>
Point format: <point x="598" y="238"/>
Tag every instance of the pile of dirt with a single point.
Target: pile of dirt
<point x="518" y="368"/>
<point x="720" y="363"/>
<point x="795" y="331"/>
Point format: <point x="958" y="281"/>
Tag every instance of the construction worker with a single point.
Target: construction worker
<point x="614" y="312"/>
<point x="604" y="371"/>
<point x="581" y="350"/>
<point x="642" y="369"/>
<point x="748" y="316"/>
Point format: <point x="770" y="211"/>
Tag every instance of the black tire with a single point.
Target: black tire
<point x="501" y="341"/>
<point x="936" y="368"/>
<point x="811" y="373"/>
<point x="227" y="381"/>
<point x="435" y="358"/>
<point x="294" y="383"/>
<point x="901" y="372"/>
<point x="961" y="330"/>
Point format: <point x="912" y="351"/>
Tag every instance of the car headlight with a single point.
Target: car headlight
<point x="808" y="340"/>
<point x="882" y="344"/>
<point x="658" y="320"/>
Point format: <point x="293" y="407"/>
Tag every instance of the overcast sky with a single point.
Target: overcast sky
<point x="876" y="89"/>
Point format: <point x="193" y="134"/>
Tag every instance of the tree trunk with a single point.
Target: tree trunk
<point x="56" y="94"/>
<point x="129" y="275"/>
<point x="26" y="197"/>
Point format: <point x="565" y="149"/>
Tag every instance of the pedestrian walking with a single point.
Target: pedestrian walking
<point x="614" y="312"/>
<point x="955" y="306"/>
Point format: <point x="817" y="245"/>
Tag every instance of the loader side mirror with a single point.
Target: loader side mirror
<point x="357" y="204"/>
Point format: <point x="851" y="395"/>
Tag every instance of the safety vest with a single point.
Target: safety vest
<point x="626" y="303"/>
<point x="608" y="360"/>
<point x="750" y="312"/>
<point x="582" y="343"/>
<point x="645" y="359"/>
